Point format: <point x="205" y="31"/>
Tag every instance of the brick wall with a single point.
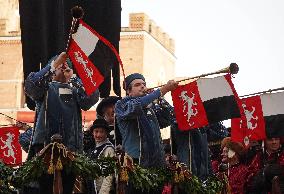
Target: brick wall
<point x="142" y="22"/>
<point x="11" y="74"/>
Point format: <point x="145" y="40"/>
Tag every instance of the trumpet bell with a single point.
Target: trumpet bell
<point x="234" y="68"/>
<point x="77" y="12"/>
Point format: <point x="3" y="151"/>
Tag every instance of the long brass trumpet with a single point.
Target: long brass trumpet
<point x="233" y="69"/>
<point x="263" y="92"/>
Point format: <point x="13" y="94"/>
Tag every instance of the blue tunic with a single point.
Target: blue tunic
<point x="138" y="125"/>
<point x="58" y="109"/>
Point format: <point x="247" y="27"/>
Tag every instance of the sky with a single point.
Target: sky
<point x="209" y="35"/>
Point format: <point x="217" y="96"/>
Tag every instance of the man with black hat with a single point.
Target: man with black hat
<point x="105" y="109"/>
<point x="138" y="123"/>
<point x="58" y="109"/>
<point x="100" y="130"/>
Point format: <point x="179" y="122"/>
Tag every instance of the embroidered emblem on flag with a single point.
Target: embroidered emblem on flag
<point x="254" y="125"/>
<point x="11" y="152"/>
<point x="87" y="71"/>
<point x="188" y="107"/>
<point x="205" y="101"/>
<point x="84" y="43"/>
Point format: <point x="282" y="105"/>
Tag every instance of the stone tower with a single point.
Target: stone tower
<point x="145" y="48"/>
<point x="11" y="65"/>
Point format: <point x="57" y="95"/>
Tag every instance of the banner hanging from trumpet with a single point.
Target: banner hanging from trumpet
<point x="205" y="101"/>
<point x="264" y="118"/>
<point x="82" y="44"/>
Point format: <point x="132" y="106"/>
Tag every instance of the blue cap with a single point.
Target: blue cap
<point x="130" y="78"/>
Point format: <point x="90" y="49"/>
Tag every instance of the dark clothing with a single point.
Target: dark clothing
<point x="88" y="141"/>
<point x="263" y="168"/>
<point x="130" y="189"/>
<point x="97" y="152"/>
<point x="58" y="109"/>
<point x="46" y="182"/>
<point x="138" y="125"/>
<point x="192" y="150"/>
<point x="192" y="147"/>
<point x="58" y="112"/>
<point x="103" y="185"/>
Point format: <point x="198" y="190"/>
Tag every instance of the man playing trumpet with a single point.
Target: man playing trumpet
<point x="139" y="124"/>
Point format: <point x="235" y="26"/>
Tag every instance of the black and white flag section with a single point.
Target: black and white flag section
<point x="45" y="27"/>
<point x="82" y="44"/>
<point x="205" y="101"/>
<point x="264" y="117"/>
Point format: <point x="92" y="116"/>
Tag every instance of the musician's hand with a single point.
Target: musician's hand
<point x="170" y="86"/>
<point x="68" y="73"/>
<point x="59" y="61"/>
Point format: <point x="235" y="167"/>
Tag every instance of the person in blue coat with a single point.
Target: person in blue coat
<point x="58" y="107"/>
<point x="139" y="124"/>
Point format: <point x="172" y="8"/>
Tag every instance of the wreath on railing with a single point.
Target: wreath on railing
<point x="55" y="156"/>
<point x="6" y="173"/>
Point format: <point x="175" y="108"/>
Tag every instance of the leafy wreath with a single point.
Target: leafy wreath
<point x="5" y="178"/>
<point x="55" y="157"/>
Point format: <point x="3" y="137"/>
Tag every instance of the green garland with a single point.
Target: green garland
<point x="56" y="157"/>
<point x="30" y="171"/>
<point x="140" y="177"/>
<point x="213" y="185"/>
<point x="148" y="178"/>
<point x="89" y="169"/>
<point x="152" y="178"/>
<point x="5" y="179"/>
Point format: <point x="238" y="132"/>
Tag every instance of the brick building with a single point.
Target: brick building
<point x="146" y="49"/>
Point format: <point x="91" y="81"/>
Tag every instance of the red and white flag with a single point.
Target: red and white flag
<point x="253" y="127"/>
<point x="205" y="101"/>
<point x="11" y="152"/>
<point x="264" y="115"/>
<point x="82" y="44"/>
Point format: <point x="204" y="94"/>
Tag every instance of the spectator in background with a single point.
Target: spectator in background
<point x="232" y="167"/>
<point x="105" y="110"/>
<point x="104" y="148"/>
<point x="267" y="166"/>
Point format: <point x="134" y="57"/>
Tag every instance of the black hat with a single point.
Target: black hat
<point x="130" y="78"/>
<point x="100" y="123"/>
<point x="111" y="100"/>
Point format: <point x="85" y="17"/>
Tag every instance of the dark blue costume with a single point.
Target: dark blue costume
<point x="58" y="109"/>
<point x="140" y="129"/>
<point x="191" y="147"/>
